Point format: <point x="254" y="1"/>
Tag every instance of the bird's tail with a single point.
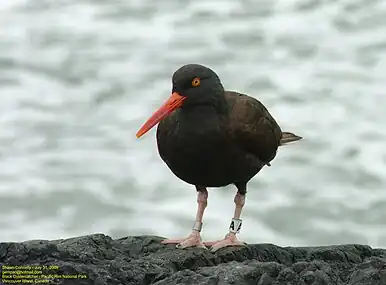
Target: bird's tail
<point x="287" y="137"/>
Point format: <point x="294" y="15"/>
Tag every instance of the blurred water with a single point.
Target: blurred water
<point x="78" y="78"/>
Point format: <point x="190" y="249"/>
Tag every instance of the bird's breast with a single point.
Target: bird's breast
<point x="197" y="153"/>
<point x="202" y="151"/>
<point x="195" y="147"/>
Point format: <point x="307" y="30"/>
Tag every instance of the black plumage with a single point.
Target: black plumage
<point x="216" y="137"/>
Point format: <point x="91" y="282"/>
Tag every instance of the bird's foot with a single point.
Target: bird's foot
<point x="229" y="240"/>
<point x="193" y="240"/>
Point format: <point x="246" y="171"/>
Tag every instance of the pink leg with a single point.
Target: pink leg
<point x="231" y="239"/>
<point x="194" y="239"/>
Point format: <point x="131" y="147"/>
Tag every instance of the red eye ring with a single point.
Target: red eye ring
<point x="196" y="82"/>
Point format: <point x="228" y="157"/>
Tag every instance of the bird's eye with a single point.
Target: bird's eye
<point x="196" y="82"/>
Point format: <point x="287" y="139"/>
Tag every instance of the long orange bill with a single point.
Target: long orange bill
<point x="174" y="101"/>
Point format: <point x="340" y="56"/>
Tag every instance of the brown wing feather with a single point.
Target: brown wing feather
<point x="253" y="127"/>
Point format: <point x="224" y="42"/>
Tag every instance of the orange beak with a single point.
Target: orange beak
<point x="175" y="101"/>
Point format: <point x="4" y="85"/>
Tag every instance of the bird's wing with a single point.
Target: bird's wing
<point x="252" y="126"/>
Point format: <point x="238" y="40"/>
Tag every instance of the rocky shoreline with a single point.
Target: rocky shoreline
<point x="99" y="259"/>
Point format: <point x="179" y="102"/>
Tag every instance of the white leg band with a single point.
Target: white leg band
<point x="235" y="226"/>
<point x="197" y="226"/>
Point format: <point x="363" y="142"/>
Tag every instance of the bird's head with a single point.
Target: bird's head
<point x="193" y="85"/>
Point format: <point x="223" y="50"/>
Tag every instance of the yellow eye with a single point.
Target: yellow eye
<point x="196" y="82"/>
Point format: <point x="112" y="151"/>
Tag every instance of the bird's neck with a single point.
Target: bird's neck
<point x="211" y="106"/>
<point x="201" y="118"/>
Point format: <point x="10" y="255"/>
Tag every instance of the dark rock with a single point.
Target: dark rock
<point x="98" y="259"/>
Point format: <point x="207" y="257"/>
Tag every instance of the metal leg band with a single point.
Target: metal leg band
<point x="235" y="226"/>
<point x="197" y="226"/>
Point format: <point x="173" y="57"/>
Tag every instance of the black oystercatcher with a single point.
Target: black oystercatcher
<point x="210" y="137"/>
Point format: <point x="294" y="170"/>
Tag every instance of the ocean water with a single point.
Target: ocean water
<point x="78" y="78"/>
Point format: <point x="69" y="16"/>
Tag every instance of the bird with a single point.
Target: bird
<point x="211" y="138"/>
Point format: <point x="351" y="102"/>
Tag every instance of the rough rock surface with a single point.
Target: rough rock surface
<point x="143" y="260"/>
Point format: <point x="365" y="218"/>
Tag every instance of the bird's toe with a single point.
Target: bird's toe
<point x="194" y="240"/>
<point x="191" y="242"/>
<point x="227" y="242"/>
